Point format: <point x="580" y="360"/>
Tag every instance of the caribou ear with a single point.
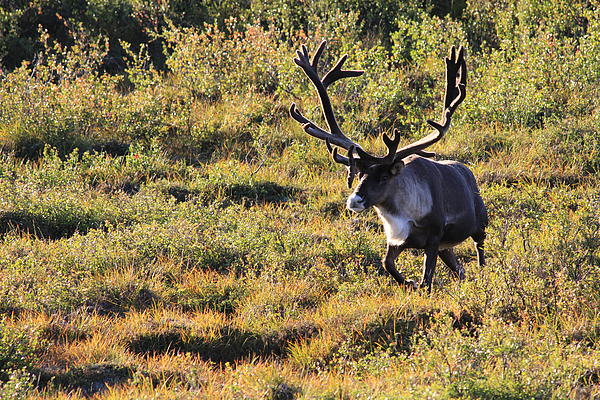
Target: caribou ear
<point x="396" y="166"/>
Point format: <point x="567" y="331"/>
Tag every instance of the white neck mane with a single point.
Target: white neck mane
<point x="412" y="201"/>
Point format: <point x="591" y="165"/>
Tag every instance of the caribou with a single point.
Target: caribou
<point x="423" y="203"/>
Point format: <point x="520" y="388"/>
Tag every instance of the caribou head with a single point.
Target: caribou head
<point x="424" y="204"/>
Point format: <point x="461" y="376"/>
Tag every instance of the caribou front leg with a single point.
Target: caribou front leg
<point x="389" y="263"/>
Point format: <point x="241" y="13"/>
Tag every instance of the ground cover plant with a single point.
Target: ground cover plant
<point x="168" y="231"/>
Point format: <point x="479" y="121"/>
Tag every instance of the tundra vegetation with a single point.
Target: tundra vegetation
<point x="168" y="231"/>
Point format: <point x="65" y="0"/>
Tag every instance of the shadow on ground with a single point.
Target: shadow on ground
<point x="248" y="194"/>
<point x="47" y="228"/>
<point x="227" y="345"/>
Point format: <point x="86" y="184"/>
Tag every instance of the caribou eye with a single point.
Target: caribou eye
<point x="384" y="178"/>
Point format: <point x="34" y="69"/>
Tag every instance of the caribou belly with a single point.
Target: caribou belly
<point x="448" y="245"/>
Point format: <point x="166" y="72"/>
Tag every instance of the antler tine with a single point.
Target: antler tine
<point x="426" y="154"/>
<point x="461" y="83"/>
<point x="312" y="129"/>
<point x="391" y="144"/>
<point x="336" y="157"/>
<point x="317" y="56"/>
<point x="352" y="168"/>
<point x="349" y="161"/>
<point x="294" y="113"/>
<point x="337" y="73"/>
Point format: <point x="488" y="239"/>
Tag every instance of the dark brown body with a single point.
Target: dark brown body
<point x="458" y="212"/>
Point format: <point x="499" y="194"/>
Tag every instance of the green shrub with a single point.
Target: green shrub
<point x="18" y="352"/>
<point x="212" y="63"/>
<point x="428" y="37"/>
<point x="20" y="385"/>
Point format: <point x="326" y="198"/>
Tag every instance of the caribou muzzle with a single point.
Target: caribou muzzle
<point x="356" y="203"/>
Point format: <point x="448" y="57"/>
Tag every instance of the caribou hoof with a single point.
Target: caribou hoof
<point x="411" y="285"/>
<point x="425" y="285"/>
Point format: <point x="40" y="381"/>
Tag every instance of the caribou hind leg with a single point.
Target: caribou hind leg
<point x="431" y="254"/>
<point x="448" y="257"/>
<point x="479" y="239"/>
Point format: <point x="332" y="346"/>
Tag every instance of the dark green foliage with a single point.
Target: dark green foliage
<point x="118" y="20"/>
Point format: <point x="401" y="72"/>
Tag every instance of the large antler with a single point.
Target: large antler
<point x="335" y="136"/>
<point x="456" y="84"/>
<point x="455" y="93"/>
